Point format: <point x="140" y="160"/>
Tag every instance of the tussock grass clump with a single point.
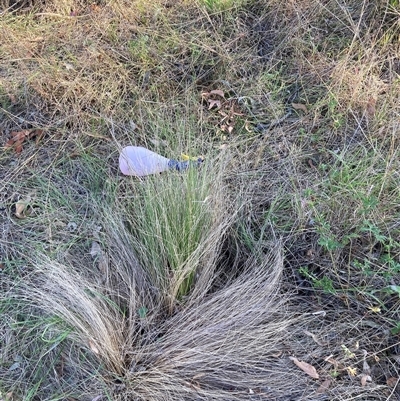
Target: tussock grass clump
<point x="179" y="223"/>
<point x="188" y="354"/>
<point x="154" y="311"/>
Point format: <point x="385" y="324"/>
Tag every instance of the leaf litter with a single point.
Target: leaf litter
<point x="305" y="367"/>
<point x="324" y="387"/>
<point x="101" y="256"/>
<point x="21" y="207"/>
<point x="229" y="109"/>
<point x="19" y="137"/>
<point x="300" y="106"/>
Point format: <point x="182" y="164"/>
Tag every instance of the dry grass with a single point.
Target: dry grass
<point x="110" y="287"/>
<point x="186" y="355"/>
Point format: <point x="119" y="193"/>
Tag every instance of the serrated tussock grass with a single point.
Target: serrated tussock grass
<point x="179" y="222"/>
<point x="150" y="310"/>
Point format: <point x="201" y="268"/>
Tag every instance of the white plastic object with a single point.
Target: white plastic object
<point x="139" y="161"/>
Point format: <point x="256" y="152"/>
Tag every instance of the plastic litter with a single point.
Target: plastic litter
<point x="139" y="161"/>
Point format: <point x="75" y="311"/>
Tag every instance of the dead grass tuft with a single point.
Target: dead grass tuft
<point x="115" y="312"/>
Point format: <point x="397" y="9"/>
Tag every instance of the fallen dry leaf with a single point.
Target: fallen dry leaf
<point x="300" y="106"/>
<point x="227" y="128"/>
<point x="213" y="103"/>
<point x="371" y="106"/>
<point x="103" y="263"/>
<point x="217" y="92"/>
<point x="392" y="381"/>
<point x="366" y="367"/>
<point x="206" y="95"/>
<point x="16" y="141"/>
<point x="365" y="379"/>
<point x="18" y="138"/>
<point x="95" y="250"/>
<point x="38" y="133"/>
<point x="233" y="112"/>
<point x="311" y="252"/>
<point x="324" y="386"/>
<point x="101" y="256"/>
<point x="19" y="135"/>
<point x="305" y="367"/>
<point x="18" y="147"/>
<point x="21" y="206"/>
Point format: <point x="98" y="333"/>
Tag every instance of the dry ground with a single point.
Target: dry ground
<point x="205" y="285"/>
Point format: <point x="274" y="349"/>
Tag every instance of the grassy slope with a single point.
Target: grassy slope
<point x="305" y="149"/>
